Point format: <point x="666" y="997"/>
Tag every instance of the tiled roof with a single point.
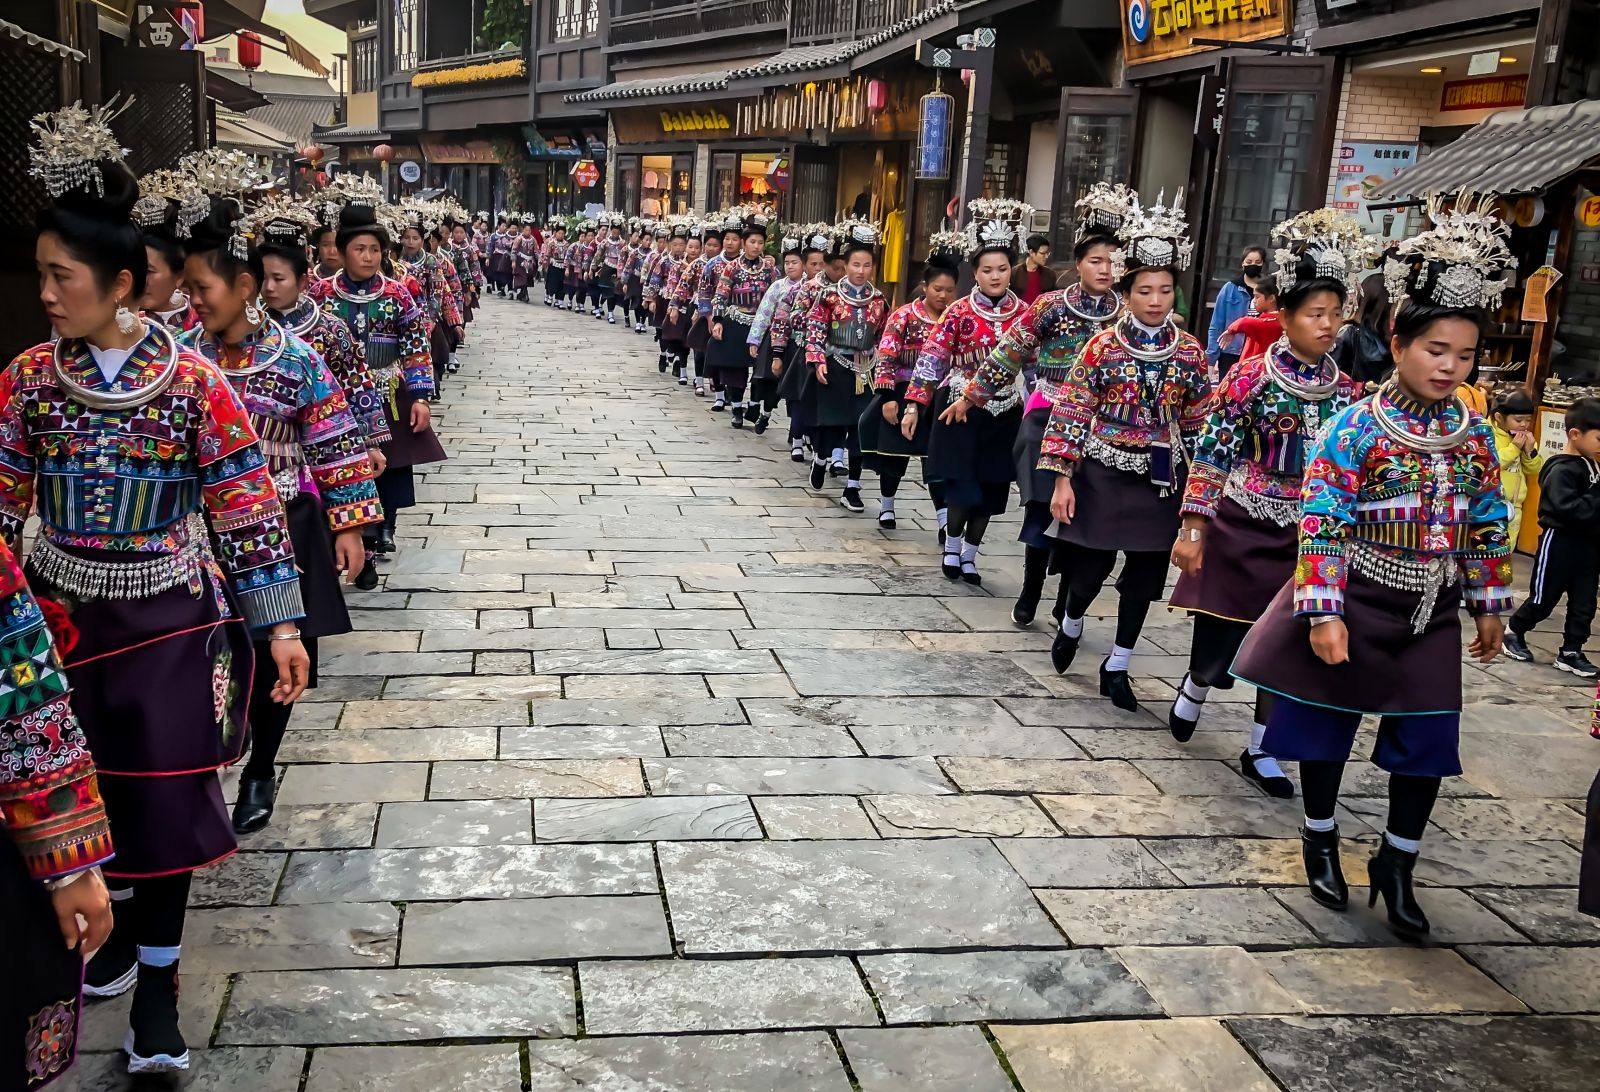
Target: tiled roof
<point x="798" y="59"/>
<point x="1514" y="151"/>
<point x="295" y="114"/>
<point x="38" y="41"/>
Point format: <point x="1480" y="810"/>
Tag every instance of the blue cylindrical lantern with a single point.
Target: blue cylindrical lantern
<point x="934" y="114"/>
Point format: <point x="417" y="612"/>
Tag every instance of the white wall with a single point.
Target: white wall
<point x="1038" y="189"/>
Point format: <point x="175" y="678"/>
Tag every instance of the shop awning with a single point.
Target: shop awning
<point x="686" y="84"/>
<point x="231" y="94"/>
<point x="1512" y="152"/>
<point x="35" y="41"/>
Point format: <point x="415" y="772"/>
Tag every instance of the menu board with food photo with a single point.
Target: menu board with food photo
<point x="1363" y="168"/>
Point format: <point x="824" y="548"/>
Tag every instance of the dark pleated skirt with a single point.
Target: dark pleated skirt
<point x="674" y="332"/>
<point x="397" y="489"/>
<point x="843" y="398"/>
<point x="634" y="290"/>
<point x="697" y="331"/>
<point x="1035" y="486"/>
<point x="792" y="380"/>
<point x="320" y="585"/>
<point x="160" y="688"/>
<point x="879" y="437"/>
<point x="976" y="450"/>
<point x="41" y="1003"/>
<point x="1246" y="563"/>
<point x="1121" y="510"/>
<point x="406" y="448"/>
<point x="729" y="356"/>
<point x="554" y="281"/>
<point x="1391" y="670"/>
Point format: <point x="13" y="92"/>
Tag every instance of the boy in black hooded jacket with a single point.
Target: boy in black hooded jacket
<point x="1568" y="561"/>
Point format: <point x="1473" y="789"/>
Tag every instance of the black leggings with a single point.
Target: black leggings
<point x="831" y="437"/>
<point x="1144" y="575"/>
<point x="1411" y="798"/>
<point x="268" y="719"/>
<point x="157" y="907"/>
<point x="967" y="524"/>
<point x="891" y="472"/>
<point x="935" y="488"/>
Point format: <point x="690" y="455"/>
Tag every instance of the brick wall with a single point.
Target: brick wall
<point x="1377" y="107"/>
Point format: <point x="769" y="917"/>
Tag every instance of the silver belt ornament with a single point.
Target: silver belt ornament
<point x="1136" y="462"/>
<point x="996" y="405"/>
<point x="1283" y="511"/>
<point x="88" y="579"/>
<point x="1425" y="578"/>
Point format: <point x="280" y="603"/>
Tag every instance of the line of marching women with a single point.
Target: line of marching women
<point x="205" y="441"/>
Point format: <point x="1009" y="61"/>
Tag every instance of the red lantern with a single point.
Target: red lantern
<point x="312" y="153"/>
<point x="877" y="94"/>
<point x="249" y="50"/>
<point x="383" y="153"/>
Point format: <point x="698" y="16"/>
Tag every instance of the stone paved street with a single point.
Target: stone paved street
<point x="651" y="769"/>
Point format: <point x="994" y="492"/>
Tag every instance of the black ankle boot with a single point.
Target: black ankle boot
<point x="1319" y="849"/>
<point x="1182" y="728"/>
<point x="1063" y="650"/>
<point x="112" y="970"/>
<point x="1060" y="611"/>
<point x="1115" y="685"/>
<point x="254" y="806"/>
<point x="762" y="422"/>
<point x="385" y="543"/>
<point x="155" y="1042"/>
<point x="367" y="579"/>
<point x="1389" y="875"/>
<point x="1027" y="604"/>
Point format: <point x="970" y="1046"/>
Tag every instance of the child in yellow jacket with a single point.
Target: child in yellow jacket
<point x="1518" y="449"/>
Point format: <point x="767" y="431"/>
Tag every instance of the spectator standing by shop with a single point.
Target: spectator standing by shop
<point x="1032" y="277"/>
<point x="1233" y="303"/>
<point x="1518" y="449"/>
<point x="1568" y="562"/>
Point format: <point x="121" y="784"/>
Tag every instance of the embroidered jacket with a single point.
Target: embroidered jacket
<point x="578" y="259"/>
<point x="1253" y="444"/>
<point x="524" y="256"/>
<point x="967" y="334"/>
<point x="705" y="290"/>
<point x="741" y="288"/>
<point x="440" y="287"/>
<point x="346" y="358"/>
<point x="1048" y="339"/>
<point x="844" y="325"/>
<point x="180" y="320"/>
<point x="305" y="426"/>
<point x="128" y="480"/>
<point x="1115" y="398"/>
<point x="791" y="324"/>
<point x="391" y="328"/>
<point x="1366" y="490"/>
<point x="904" y="335"/>
<point x="465" y="258"/>
<point x="656" y="270"/>
<point x="49" y="797"/>
<point x="767" y="311"/>
<point x="682" y="291"/>
<point x="611" y="253"/>
<point x="554" y="253"/>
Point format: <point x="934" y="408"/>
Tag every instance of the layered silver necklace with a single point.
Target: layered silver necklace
<point x="1314" y="390"/>
<point x="116" y="400"/>
<point x="1427" y="445"/>
<point x="1150" y="356"/>
<point x="253" y="368"/>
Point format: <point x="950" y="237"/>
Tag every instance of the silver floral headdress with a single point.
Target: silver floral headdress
<point x="283" y="220"/>
<point x="995" y="224"/>
<point x="1337" y="246"/>
<point x="70" y="143"/>
<point x="947" y="244"/>
<point x="854" y="229"/>
<point x="1102" y="209"/>
<point x="158" y="192"/>
<point x="1153" y="235"/>
<point x="1459" y="262"/>
<point x="817" y="236"/>
<point x="227" y="174"/>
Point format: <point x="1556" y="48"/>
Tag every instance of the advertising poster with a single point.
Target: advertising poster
<point x="1363" y="167"/>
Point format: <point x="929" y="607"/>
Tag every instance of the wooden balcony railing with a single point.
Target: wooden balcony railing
<point x="636" y="22"/>
<point x="812" y="21"/>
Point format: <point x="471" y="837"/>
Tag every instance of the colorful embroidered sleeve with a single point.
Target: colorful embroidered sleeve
<point x="242" y="505"/>
<point x="1072" y="414"/>
<point x="818" y="319"/>
<point x="723" y="293"/>
<point x="766" y="311"/>
<point x="335" y="450"/>
<point x="1222" y="435"/>
<point x="890" y="345"/>
<point x="16" y="453"/>
<point x="933" y="363"/>
<point x="347" y="359"/>
<point x="1486" y="561"/>
<point x="683" y="290"/>
<point x="710" y="277"/>
<point x="452" y="292"/>
<point x="796" y="302"/>
<point x="416" y="361"/>
<point x="1328" y="511"/>
<point x="1017" y="349"/>
<point x="49" y="797"/>
<point x="1196" y="392"/>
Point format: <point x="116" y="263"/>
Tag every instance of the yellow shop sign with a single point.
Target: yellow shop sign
<point x="693" y="121"/>
<point x="1154" y="30"/>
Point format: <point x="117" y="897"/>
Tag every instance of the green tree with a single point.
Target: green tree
<point x="505" y="24"/>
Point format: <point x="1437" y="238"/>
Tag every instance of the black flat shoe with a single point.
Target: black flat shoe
<point x="950" y="565"/>
<point x="762" y="422"/>
<point x="254" y="806"/>
<point x="367" y="578"/>
<point x="819" y="475"/>
<point x="1319" y="849"/>
<point x="155" y="1041"/>
<point x="1278" y="786"/>
<point x="1182" y="728"/>
<point x="1063" y="650"/>
<point x="1115" y="685"/>
<point x="886" y="521"/>
<point x="1389" y="874"/>
<point x="1026" y="606"/>
<point x="970" y="573"/>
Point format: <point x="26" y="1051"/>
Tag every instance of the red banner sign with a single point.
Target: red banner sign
<point x="1488" y="93"/>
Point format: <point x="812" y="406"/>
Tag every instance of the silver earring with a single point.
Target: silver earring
<point x="127" y="321"/>
<point x="252" y="313"/>
<point x="177" y="299"/>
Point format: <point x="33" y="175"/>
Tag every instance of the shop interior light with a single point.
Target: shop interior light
<point x="1507" y="60"/>
<point x="1432" y="70"/>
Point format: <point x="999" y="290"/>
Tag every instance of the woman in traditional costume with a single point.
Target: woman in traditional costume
<point x="156" y="213"/>
<point x="441" y="287"/>
<point x="315" y="450"/>
<point x="884" y="447"/>
<point x="1403" y="521"/>
<point x="842" y="331"/>
<point x="788" y="329"/>
<point x="1123" y="420"/>
<point x="141" y="457"/>
<point x="678" y="269"/>
<point x="1241" y="506"/>
<point x="53" y="839"/>
<point x="742" y="283"/>
<point x="768" y="358"/>
<point x="1044" y="345"/>
<point x="971" y="456"/>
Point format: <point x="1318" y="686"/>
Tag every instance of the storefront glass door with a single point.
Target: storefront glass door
<point x="1095" y="144"/>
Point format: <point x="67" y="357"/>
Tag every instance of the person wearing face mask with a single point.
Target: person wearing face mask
<point x="1403" y="523"/>
<point x="842" y="331"/>
<point x="1046" y="344"/>
<point x="315" y="449"/>
<point x="1233" y="303"/>
<point x="971" y="454"/>
<point x="741" y="285"/>
<point x="156" y="213"/>
<point x="1241" y="506"/>
<point x="1124" y="419"/>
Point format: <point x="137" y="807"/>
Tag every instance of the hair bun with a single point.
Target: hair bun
<point x="121" y="191"/>
<point x="218" y="227"/>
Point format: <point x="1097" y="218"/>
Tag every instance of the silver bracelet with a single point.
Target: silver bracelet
<point x="66" y="881"/>
<point x="1323" y="619"/>
<point x="295" y="636"/>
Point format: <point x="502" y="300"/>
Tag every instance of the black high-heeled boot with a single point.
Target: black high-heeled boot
<point x="254" y="806"/>
<point x="1319" y="849"/>
<point x="1389" y="874"/>
<point x="1034" y="563"/>
<point x="1116" y="686"/>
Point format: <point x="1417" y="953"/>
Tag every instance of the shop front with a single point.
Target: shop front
<point x="565" y="171"/>
<point x="676" y="158"/>
<point x="478" y="172"/>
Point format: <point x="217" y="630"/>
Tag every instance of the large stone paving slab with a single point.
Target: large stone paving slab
<point x="1130" y="1056"/>
<point x="760" y="1062"/>
<point x="556" y="777"/>
<point x="954" y="987"/>
<point x="954" y="1059"/>
<point x="794" y="776"/>
<point x="535" y="930"/>
<point x="453" y="872"/>
<point x="648" y="819"/>
<point x="494" y="1067"/>
<point x="282" y="938"/>
<point x="333" y="1007"/>
<point x="827" y="671"/>
<point x="223" y="1069"/>
<point x="420" y="823"/>
<point x="624" y="998"/>
<point x="848" y="896"/>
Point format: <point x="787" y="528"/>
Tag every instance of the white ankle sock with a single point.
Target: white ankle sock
<point x="953" y="545"/>
<point x="1266" y="765"/>
<point x="1072" y="627"/>
<point x="852" y="483"/>
<point x="969" y="551"/>
<point x="886" y="505"/>
<point x="1258" y="732"/>
<point x="1191" y="700"/>
<point x="1405" y="845"/>
<point x="838" y="455"/>
<point x="1119" y="659"/>
<point x="1320" y="825"/>
<point x="944" y="518"/>
<point x="818" y="460"/>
